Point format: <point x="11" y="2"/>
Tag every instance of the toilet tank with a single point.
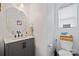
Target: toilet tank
<point x="67" y="45"/>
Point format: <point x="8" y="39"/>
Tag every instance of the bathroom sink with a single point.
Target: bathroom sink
<point x="10" y="40"/>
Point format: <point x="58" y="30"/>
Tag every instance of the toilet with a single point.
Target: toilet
<point x="66" y="43"/>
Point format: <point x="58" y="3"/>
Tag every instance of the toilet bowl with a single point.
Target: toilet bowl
<point x="63" y="52"/>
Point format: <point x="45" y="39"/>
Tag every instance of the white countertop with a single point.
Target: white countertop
<point x="10" y="40"/>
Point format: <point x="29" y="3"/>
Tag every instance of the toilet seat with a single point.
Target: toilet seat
<point x="63" y="52"/>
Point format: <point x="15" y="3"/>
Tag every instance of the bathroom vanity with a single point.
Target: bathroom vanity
<point x="17" y="40"/>
<point x="20" y="47"/>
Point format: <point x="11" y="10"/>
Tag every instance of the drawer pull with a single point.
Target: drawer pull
<point x="24" y="45"/>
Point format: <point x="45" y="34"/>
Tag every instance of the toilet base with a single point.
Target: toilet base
<point x="63" y="52"/>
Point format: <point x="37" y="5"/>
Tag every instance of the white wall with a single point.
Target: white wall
<point x="42" y="16"/>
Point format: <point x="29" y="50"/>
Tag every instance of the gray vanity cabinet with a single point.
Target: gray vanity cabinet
<point x="30" y="49"/>
<point x="20" y="48"/>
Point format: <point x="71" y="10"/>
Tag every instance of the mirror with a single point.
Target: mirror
<point x="16" y="20"/>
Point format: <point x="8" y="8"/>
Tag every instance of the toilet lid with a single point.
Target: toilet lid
<point x="63" y="52"/>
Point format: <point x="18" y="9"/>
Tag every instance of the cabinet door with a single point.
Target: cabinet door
<point x="16" y="49"/>
<point x="29" y="50"/>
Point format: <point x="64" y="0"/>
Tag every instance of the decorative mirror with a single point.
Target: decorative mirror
<point x="16" y="20"/>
